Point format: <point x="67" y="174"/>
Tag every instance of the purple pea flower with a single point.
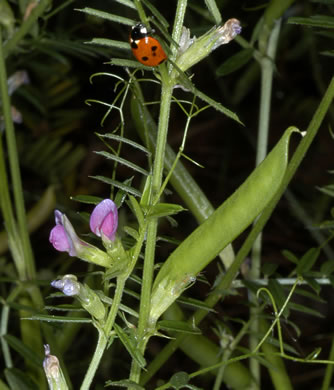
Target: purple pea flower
<point x="64" y="239"/>
<point x="104" y="220"/>
<point x="63" y="236"/>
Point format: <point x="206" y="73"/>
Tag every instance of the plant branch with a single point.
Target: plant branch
<point x="267" y="65"/>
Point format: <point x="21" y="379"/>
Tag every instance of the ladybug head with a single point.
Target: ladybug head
<point x="139" y="31"/>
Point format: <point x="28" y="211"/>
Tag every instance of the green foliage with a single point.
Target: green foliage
<point x="164" y="143"/>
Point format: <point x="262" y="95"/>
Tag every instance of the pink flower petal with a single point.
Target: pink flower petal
<point x="104" y="219"/>
<point x="59" y="240"/>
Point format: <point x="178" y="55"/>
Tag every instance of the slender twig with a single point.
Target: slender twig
<point x="267" y="72"/>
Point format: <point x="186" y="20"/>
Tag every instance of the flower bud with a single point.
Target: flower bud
<point x="68" y="284"/>
<point x="104" y="220"/>
<point x="87" y="297"/>
<point x="193" y="50"/>
<point x="53" y="372"/>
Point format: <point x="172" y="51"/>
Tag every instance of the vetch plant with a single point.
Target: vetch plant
<point x="152" y="282"/>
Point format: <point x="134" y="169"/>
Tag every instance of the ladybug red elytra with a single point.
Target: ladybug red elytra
<point x="145" y="48"/>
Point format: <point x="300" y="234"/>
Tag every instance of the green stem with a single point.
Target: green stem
<point x="267" y="72"/>
<point x="4" y="326"/>
<point x="104" y="334"/>
<point x="177" y="28"/>
<point x="23" y="259"/>
<point x="166" y="94"/>
<point x="158" y="166"/>
<point x="141" y="12"/>
<point x="329" y="370"/>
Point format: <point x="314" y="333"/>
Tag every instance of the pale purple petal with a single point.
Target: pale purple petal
<point x="58" y="217"/>
<point x="68" y="285"/>
<point x="62" y="236"/>
<point x="104" y="219"/>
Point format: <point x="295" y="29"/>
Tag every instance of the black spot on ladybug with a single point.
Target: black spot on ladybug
<point x="134" y="45"/>
<point x="154" y="48"/>
<point x="144" y="58"/>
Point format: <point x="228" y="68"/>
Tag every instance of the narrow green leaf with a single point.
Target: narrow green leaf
<point x="22" y="349"/>
<point x="118" y="184"/>
<point x="126" y="141"/>
<point x="217" y="106"/>
<point x="269" y="269"/>
<point x="307" y="261"/>
<point x="88" y="199"/>
<point x="327" y="267"/>
<point x="178" y="326"/>
<point x="129" y="64"/>
<point x="109" y="301"/>
<point x="19" y="380"/>
<point x="314" y="354"/>
<point x="214" y="11"/>
<point x="107" y="16"/>
<point x="121" y="194"/>
<point x="146" y="196"/>
<point x="305" y="309"/>
<point x="65" y="307"/>
<point x="309" y="294"/>
<point x="328" y="190"/>
<point x="131" y="346"/>
<point x="313" y="284"/>
<point x="156" y="13"/>
<point x="110" y="43"/>
<point x="131" y="232"/>
<point x="164" y="209"/>
<point x="125" y="383"/>
<point x="322" y="21"/>
<point x="51" y="318"/>
<point x="235" y="62"/>
<point x="127" y="3"/>
<point x="137" y="211"/>
<point x="122" y="161"/>
<point x="194" y="303"/>
<point x="328" y="53"/>
<point x="290" y="256"/>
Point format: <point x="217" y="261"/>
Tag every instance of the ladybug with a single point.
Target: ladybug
<point x="145" y="48"/>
